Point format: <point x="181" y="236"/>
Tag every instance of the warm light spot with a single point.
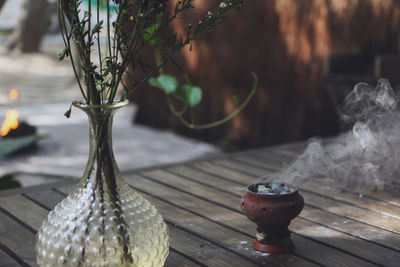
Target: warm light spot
<point x="13" y="95"/>
<point x="10" y="122"/>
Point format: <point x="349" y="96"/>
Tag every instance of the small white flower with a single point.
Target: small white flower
<point x="222" y="5"/>
<point x="209" y="13"/>
<point x="200" y="21"/>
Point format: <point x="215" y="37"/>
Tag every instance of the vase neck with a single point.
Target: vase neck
<point x="100" y="133"/>
<point x="101" y="163"/>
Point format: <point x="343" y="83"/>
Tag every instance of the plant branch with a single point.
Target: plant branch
<point x="67" y="43"/>
<point x="221" y="121"/>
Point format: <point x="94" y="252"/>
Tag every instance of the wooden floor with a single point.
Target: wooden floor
<point x="200" y="202"/>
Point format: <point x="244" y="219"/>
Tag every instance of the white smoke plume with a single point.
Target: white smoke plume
<point x="365" y="157"/>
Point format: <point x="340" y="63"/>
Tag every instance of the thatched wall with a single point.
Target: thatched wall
<point x="285" y="42"/>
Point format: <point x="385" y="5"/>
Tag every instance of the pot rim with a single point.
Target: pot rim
<point x="261" y="195"/>
<point x="117" y="103"/>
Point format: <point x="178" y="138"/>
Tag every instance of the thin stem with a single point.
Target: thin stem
<point x="111" y="56"/>
<point x="61" y="15"/>
<point x="99" y="46"/>
<point x="173" y="108"/>
<point x="68" y="45"/>
<point x="149" y="75"/>
<point x="126" y="46"/>
<point x="89" y="31"/>
<point x="221" y="121"/>
<point x="108" y="30"/>
<point x="116" y="36"/>
<point x="78" y="30"/>
<point x="127" y="56"/>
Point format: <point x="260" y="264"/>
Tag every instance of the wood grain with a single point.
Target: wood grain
<point x="174" y="259"/>
<point x="344" y="238"/>
<point x="200" y="202"/>
<point x="17" y="239"/>
<point x="274" y="159"/>
<point x="200" y="226"/>
<point x="6" y="260"/>
<point x="365" y="212"/>
<point x="320" y="253"/>
<point x="179" y="237"/>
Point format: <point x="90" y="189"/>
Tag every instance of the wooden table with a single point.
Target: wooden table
<point x="200" y="202"/>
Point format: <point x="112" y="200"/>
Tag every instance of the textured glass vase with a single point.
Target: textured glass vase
<point x="103" y="221"/>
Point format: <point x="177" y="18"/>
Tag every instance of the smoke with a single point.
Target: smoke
<point x="364" y="157"/>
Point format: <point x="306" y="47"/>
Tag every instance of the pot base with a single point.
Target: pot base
<point x="285" y="247"/>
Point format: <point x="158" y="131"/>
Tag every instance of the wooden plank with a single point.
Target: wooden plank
<point x="25" y="210"/>
<point x="322" y="201"/>
<point x="203" y="251"/>
<point x="353" y="245"/>
<point x="202" y="191"/>
<point x="196" y="248"/>
<point x="351" y="227"/>
<point x="18" y="191"/>
<point x="354" y="199"/>
<point x="271" y="159"/>
<point x="48" y="196"/>
<point x="250" y="159"/>
<point x="242" y="167"/>
<point x="6" y="260"/>
<point x="376" y="201"/>
<point x="342" y="210"/>
<point x="35" y="221"/>
<point x="352" y="212"/>
<point x="288" y="149"/>
<point x="319" y="253"/>
<point x="224" y="173"/>
<point x="350" y="243"/>
<point x="204" y="178"/>
<point x="382" y="204"/>
<point x="276" y="155"/>
<point x="220" y="235"/>
<point x="274" y="160"/>
<point x="17" y="239"/>
<point x="174" y="259"/>
<point x="318" y="187"/>
<point x="34" y="215"/>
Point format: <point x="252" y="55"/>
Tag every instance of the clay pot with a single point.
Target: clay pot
<point x="273" y="214"/>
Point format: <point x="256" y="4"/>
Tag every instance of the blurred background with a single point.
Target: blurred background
<point x="308" y="55"/>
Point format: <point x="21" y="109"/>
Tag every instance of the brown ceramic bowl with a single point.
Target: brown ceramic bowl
<point x="265" y="209"/>
<point x="273" y="214"/>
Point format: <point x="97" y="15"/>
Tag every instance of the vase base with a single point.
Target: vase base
<point x="285" y="247"/>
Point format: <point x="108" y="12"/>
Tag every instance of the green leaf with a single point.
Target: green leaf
<point x="68" y="112"/>
<point x="98" y="76"/>
<point x="63" y="53"/>
<point x="182" y="93"/>
<point x="189" y="94"/>
<point x="165" y="82"/>
<point x="168" y="83"/>
<point x="148" y="34"/>
<point x="235" y="99"/>
<point x="10" y="145"/>
<point x="195" y="96"/>
<point x="97" y="27"/>
<point x="154" y="82"/>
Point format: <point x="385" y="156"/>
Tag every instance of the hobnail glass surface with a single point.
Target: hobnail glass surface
<point x="103" y="221"/>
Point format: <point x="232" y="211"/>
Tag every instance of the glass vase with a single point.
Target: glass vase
<point x="103" y="221"/>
